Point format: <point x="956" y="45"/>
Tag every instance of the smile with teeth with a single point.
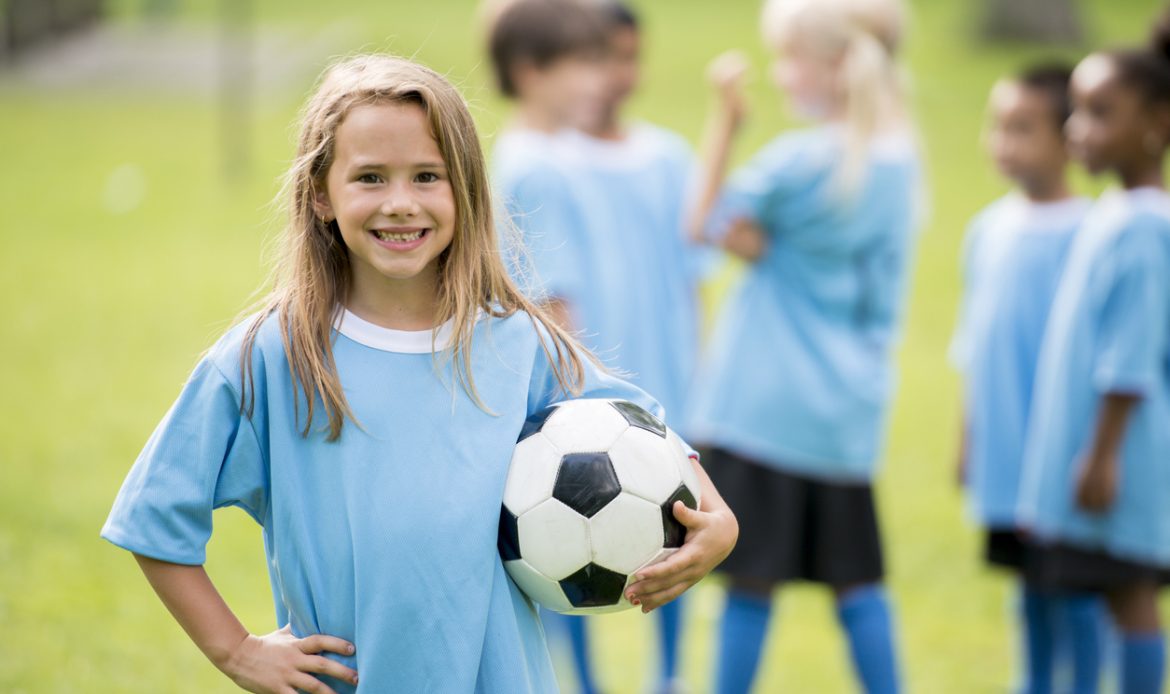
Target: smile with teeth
<point x="399" y="237"/>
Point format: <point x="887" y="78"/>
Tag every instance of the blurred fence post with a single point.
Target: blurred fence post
<point x="1044" y="21"/>
<point x="25" y="23"/>
<point x="237" y="20"/>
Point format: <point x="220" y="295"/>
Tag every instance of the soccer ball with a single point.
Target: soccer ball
<point x="588" y="502"/>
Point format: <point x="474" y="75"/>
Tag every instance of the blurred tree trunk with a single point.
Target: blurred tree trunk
<point x="1045" y="21"/>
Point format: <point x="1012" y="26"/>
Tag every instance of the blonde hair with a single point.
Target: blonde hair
<point x="863" y="37"/>
<point x="312" y="276"/>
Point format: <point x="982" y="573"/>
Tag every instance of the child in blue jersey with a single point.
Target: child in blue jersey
<point x="1013" y="256"/>
<point x="548" y="58"/>
<point x="1096" y="488"/>
<point x="366" y="416"/>
<point x="625" y="276"/>
<point x="793" y="396"/>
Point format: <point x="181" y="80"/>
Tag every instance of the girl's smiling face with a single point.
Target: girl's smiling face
<point x="389" y="191"/>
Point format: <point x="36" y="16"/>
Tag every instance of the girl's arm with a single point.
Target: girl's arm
<point x="277" y="663"/>
<point x="961" y="458"/>
<point x="711" y="534"/>
<point x="726" y="74"/>
<point x="1097" y="479"/>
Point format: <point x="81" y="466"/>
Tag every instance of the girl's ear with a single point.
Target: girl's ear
<point x="321" y="206"/>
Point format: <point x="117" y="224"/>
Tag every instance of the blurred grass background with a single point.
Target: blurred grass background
<point x="125" y="251"/>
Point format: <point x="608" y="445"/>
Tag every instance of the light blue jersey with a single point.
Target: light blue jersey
<point x="1013" y="256"/>
<point x="1109" y="332"/>
<point x="638" y="310"/>
<point x="385" y="537"/>
<point x="537" y="198"/>
<point x="799" y="372"/>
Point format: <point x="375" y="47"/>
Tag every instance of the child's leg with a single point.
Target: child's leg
<point x="1143" y="646"/>
<point x="669" y="632"/>
<point x="865" y="614"/>
<point x="574" y="627"/>
<point x="1038" y="623"/>
<point x="582" y="663"/>
<point x="741" y="636"/>
<point x="1084" y="622"/>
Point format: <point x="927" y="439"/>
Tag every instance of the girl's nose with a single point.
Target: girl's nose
<point x="399" y="202"/>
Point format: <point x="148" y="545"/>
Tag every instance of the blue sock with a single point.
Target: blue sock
<point x="1083" y="617"/>
<point x="741" y="638"/>
<point x="866" y="616"/>
<point x="1038" y="622"/>
<point x="669" y="632"/>
<point x="579" y="642"/>
<point x="1143" y="663"/>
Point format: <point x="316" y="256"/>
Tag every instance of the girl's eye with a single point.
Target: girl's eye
<point x="427" y="177"/>
<point x="369" y="178"/>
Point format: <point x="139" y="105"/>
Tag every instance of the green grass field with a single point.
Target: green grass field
<point x="106" y="305"/>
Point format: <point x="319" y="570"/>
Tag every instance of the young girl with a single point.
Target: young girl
<point x="1096" y="491"/>
<point x="366" y="416"/>
<point x="794" y="393"/>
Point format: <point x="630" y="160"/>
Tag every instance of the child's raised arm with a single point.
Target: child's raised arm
<point x="726" y="76"/>
<point x="711" y="535"/>
<point x="278" y="663"/>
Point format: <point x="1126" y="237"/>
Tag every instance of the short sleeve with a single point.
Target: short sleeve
<point x="959" y="352"/>
<point x="202" y="456"/>
<point x="544" y="389"/>
<point x="541" y="205"/>
<point x="771" y="173"/>
<point x="1134" y="316"/>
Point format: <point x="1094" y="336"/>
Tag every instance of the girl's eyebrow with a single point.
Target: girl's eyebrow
<point x="374" y="164"/>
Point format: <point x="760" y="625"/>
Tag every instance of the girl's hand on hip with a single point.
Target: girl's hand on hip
<point x="745" y="240"/>
<point x="711" y="535"/>
<point x="280" y="663"/>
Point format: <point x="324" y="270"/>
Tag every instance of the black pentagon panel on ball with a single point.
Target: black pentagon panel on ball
<point x="638" y="417"/>
<point x="594" y="586"/>
<point x="535" y="421"/>
<point x="586" y="482"/>
<point x="509" y="538"/>
<point x="672" y="530"/>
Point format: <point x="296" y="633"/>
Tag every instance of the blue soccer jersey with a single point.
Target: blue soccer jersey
<point x="385" y="537"/>
<point x="639" y="310"/>
<point x="1013" y="256"/>
<point x="539" y="204"/>
<point x="799" y="372"/>
<point x="1109" y="332"/>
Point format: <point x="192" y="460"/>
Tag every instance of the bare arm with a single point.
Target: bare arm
<point x="711" y="535"/>
<point x="278" y="662"/>
<point x="726" y="75"/>
<point x="1097" y="482"/>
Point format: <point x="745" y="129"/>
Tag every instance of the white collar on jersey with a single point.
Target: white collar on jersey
<point x="389" y="340"/>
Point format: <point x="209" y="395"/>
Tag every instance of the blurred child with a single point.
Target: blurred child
<point x="794" y="393"/>
<point x="393" y="311"/>
<point x="1096" y="486"/>
<point x="1013" y="255"/>
<point x="638" y="309"/>
<point x="548" y="58"/>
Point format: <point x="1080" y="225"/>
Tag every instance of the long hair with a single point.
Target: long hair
<point x="312" y="276"/>
<point x="864" y="37"/>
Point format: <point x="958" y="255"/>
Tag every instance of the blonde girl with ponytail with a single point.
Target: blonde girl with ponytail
<point x="365" y="417"/>
<point x="794" y="390"/>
